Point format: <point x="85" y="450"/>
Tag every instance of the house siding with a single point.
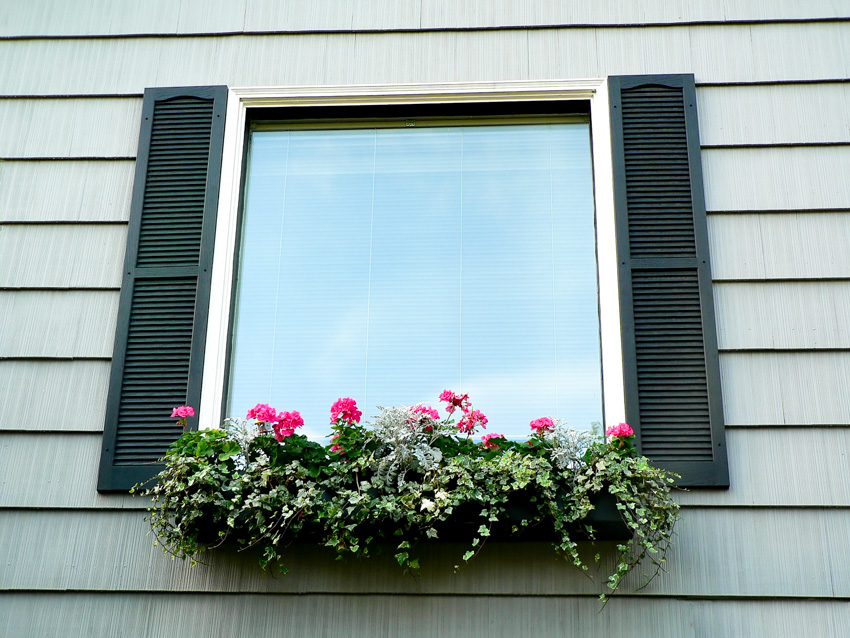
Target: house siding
<point x="767" y="557"/>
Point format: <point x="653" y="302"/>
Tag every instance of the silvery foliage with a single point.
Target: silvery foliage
<point x="568" y="445"/>
<point x="404" y="443"/>
<point x="242" y="432"/>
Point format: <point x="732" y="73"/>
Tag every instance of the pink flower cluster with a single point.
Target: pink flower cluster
<point x="286" y="424"/>
<point x="470" y="419"/>
<point x="543" y="424"/>
<point x="488" y="442"/>
<point x="427" y="410"/>
<point x="454" y="401"/>
<point x="283" y="423"/>
<point x="621" y="429"/>
<point x="345" y="409"/>
<point x="334" y="446"/>
<point x="183" y="411"/>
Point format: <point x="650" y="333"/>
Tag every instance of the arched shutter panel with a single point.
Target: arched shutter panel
<point x="672" y="375"/>
<point x="158" y="356"/>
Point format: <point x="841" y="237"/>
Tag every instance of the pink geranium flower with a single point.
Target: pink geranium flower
<point x="182" y="411"/>
<point x="470" y="420"/>
<point x="454" y="401"/>
<point x="345" y="409"/>
<point x="543" y="424"/>
<point x="488" y="441"/>
<point x="283" y="424"/>
<point x="286" y="424"/>
<point x="262" y="412"/>
<point x="426" y="410"/>
<point x="621" y="429"/>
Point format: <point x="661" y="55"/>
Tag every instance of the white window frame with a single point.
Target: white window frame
<point x="240" y="100"/>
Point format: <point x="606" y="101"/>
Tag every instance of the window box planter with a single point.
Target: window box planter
<point x="405" y="481"/>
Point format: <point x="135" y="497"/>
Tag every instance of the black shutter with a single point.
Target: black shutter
<point x="672" y="374"/>
<point x="162" y="317"/>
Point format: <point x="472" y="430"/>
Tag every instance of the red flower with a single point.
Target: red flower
<point x="488" y="442"/>
<point x="345" y="409"/>
<point x="543" y="424"/>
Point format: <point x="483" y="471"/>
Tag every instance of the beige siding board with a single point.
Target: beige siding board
<point x="177" y="615"/>
<point x="110" y="17"/>
<point x="718" y="552"/>
<point x="728" y="115"/>
<point x="211" y="16"/>
<point x="61" y="191"/>
<point x="767" y="466"/>
<point x="477" y="13"/>
<point x="783" y="315"/>
<point x="268" y="15"/>
<point x="94" y="17"/>
<point x="70" y="127"/>
<point x="62" y="255"/>
<point x="792" y="178"/>
<point x="713" y="53"/>
<point x="779" y="388"/>
<point x="774" y="114"/>
<point x="780" y="246"/>
<point x="60" y="470"/>
<point x="79" y="323"/>
<point x="69" y="395"/>
<point x="782" y="467"/>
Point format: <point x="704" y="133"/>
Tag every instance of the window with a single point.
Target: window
<point x="390" y="260"/>
<point x="659" y="360"/>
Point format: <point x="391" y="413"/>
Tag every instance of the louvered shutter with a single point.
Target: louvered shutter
<point x="158" y="356"/>
<point x="671" y="369"/>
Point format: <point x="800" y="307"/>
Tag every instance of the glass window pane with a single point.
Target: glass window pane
<point x="390" y="264"/>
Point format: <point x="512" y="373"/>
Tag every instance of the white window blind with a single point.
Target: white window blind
<point x="389" y="264"/>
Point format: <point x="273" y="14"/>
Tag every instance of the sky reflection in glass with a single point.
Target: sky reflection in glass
<point x="391" y="264"/>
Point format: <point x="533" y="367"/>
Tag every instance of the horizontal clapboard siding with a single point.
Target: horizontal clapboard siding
<point x="70" y="127"/>
<point x="166" y="17"/>
<point x="65" y="191"/>
<point x="774" y="114"/>
<point x="777" y="179"/>
<point x="61" y="324"/>
<point x="62" y="255"/>
<point x="770" y="224"/>
<point x="44" y="551"/>
<point x="103" y="615"/>
<point x="780" y="388"/>
<point x="784" y="315"/>
<point x="739" y="53"/>
<point x="771" y="466"/>
<point x="794" y="245"/>
<point x="76" y="390"/>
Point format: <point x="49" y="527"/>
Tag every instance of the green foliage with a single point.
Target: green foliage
<point x="253" y="491"/>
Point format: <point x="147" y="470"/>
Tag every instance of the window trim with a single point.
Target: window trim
<point x="240" y="100"/>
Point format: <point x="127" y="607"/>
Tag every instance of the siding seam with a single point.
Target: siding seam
<point x="458" y="29"/>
